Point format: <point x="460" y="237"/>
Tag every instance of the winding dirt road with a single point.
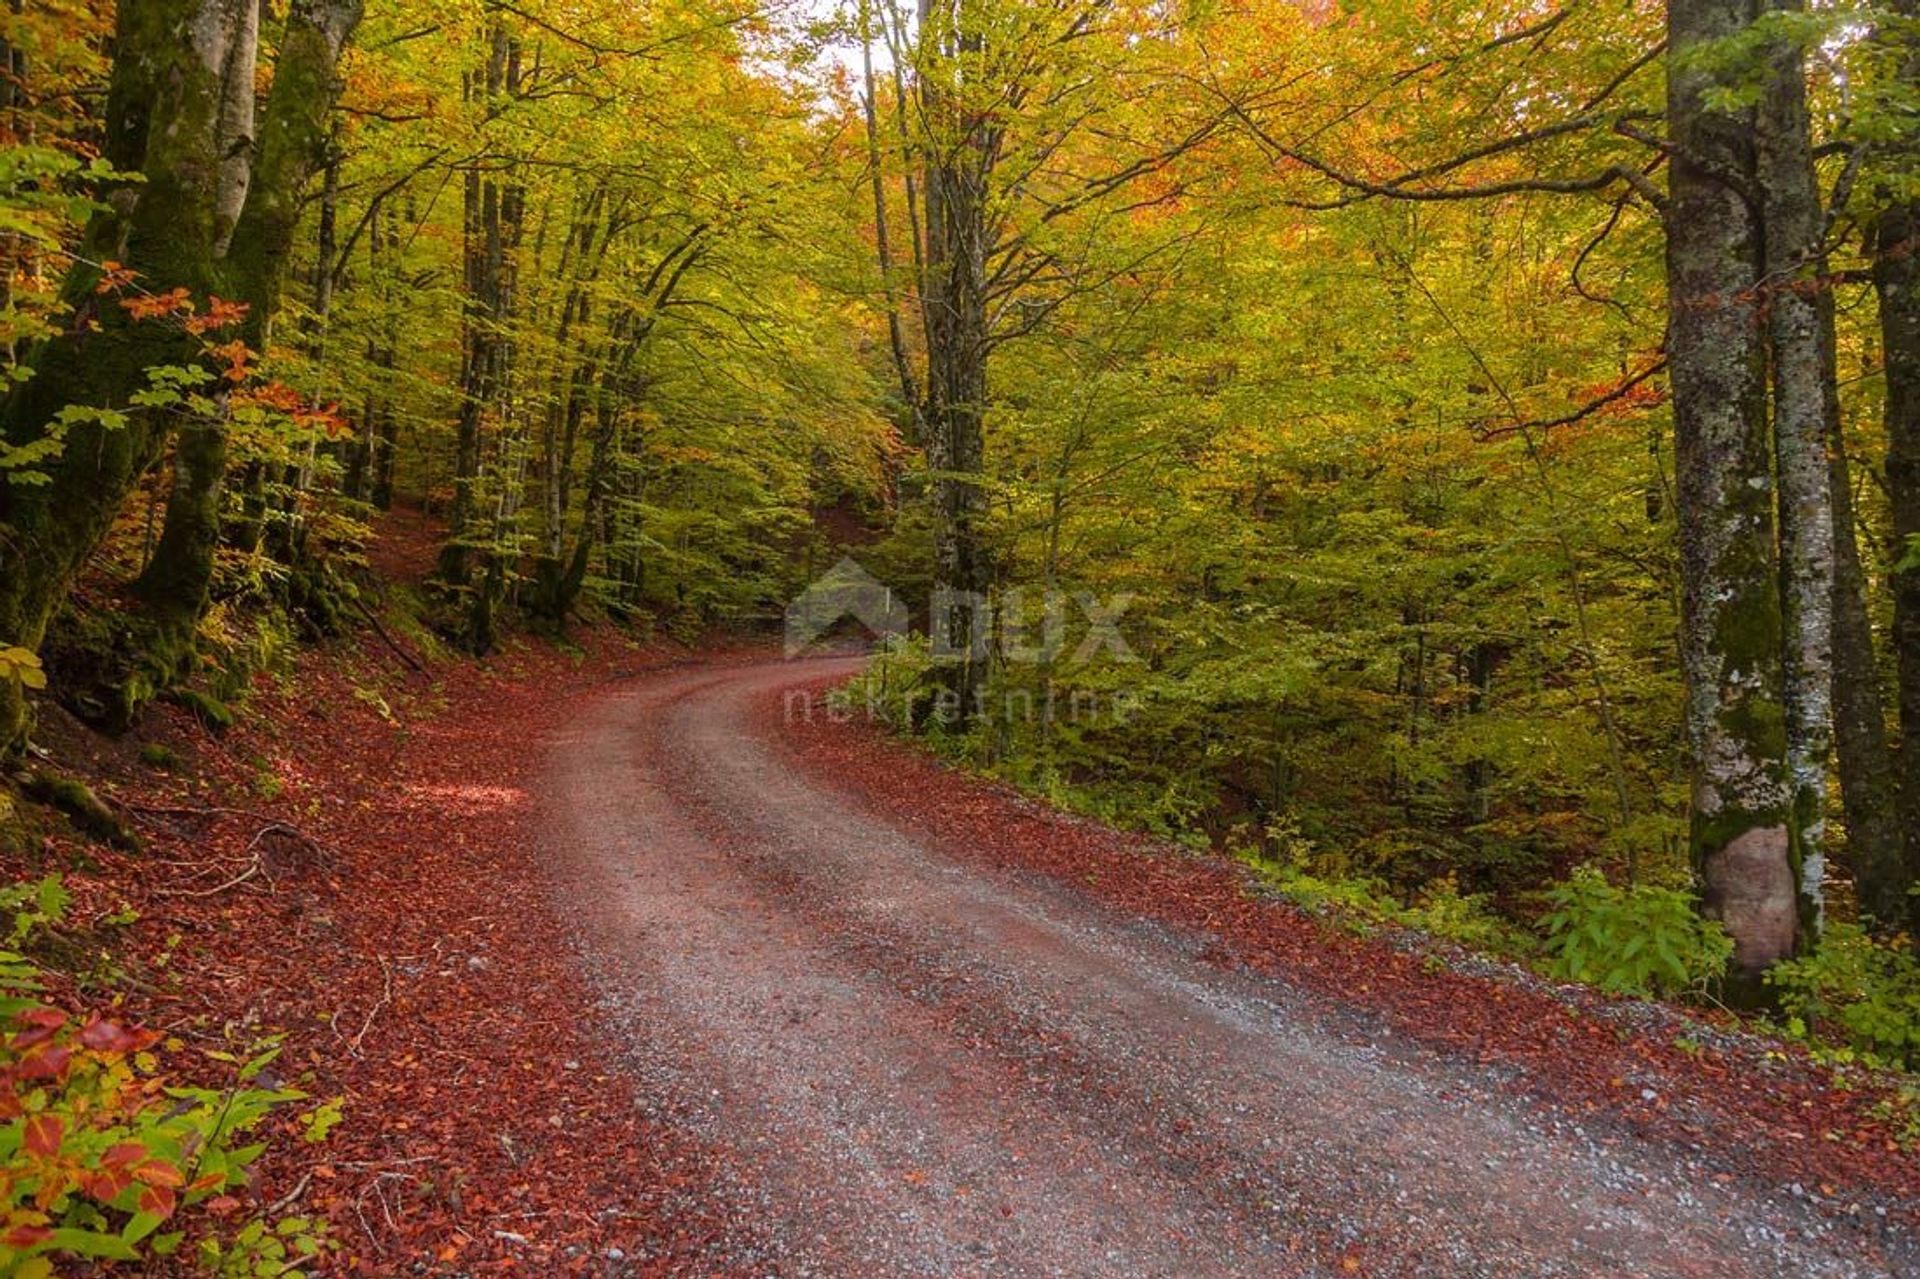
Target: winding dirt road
<point x="919" y="1067"/>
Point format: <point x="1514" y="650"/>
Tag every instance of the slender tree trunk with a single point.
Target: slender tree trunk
<point x="1800" y="328"/>
<point x="882" y="239"/>
<point x="1897" y="280"/>
<point x="1730" y="625"/>
<point x="481" y="322"/>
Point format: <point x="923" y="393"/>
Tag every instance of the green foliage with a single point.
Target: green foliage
<point x="1858" y="990"/>
<point x="1643" y="940"/>
<point x="104" y="1156"/>
<point x="33" y="906"/>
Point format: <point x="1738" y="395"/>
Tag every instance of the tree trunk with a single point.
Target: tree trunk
<point x="959" y="163"/>
<point x="481" y="221"/>
<point x="163" y="112"/>
<point x="1896" y="275"/>
<point x="882" y="240"/>
<point x="1730" y="619"/>
<point x="1800" y="328"/>
<point x="292" y="143"/>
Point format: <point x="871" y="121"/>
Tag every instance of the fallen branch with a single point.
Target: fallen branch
<point x="381" y="631"/>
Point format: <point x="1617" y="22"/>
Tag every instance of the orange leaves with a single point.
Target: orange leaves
<point x="302" y="414"/>
<point x="220" y="314"/>
<point x="158" y="306"/>
<point x="233" y="358"/>
<point x="115" y="278"/>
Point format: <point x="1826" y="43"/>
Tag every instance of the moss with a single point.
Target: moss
<point x="1761" y="723"/>
<point x="160" y="756"/>
<point x="207" y="708"/>
<point x="86" y="811"/>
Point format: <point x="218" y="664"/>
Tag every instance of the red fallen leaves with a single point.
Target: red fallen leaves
<point x="1761" y="1114"/>
<point x="414" y="964"/>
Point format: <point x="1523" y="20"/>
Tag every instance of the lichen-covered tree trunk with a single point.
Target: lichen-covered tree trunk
<point x="163" y="112"/>
<point x="1730" y="617"/>
<point x="1800" y="328"/>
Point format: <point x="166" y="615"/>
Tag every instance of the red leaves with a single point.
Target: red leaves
<point x="25" y="1237"/>
<point x="159" y="1174"/>
<point x="158" y="1200"/>
<point x="108" y="1037"/>
<point x="158" y="306"/>
<point x="427" y="831"/>
<point x="49" y="1063"/>
<point x="43" y="1136"/>
<point x="115" y="278"/>
<point x="40" y="1024"/>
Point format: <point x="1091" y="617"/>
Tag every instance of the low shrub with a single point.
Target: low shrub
<point x="1645" y="940"/>
<point x="1859" y="991"/>
<point x="107" y="1158"/>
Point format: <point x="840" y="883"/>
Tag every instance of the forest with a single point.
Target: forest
<point x="1458" y="461"/>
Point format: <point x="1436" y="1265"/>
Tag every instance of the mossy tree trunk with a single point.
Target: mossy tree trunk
<point x="1730" y="618"/>
<point x="252" y="267"/>
<point x="163" y="116"/>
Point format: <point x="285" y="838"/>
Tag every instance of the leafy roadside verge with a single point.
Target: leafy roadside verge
<point x="336" y="896"/>
<point x="1765" y="1109"/>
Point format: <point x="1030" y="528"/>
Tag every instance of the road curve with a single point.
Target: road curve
<point x="915" y="1067"/>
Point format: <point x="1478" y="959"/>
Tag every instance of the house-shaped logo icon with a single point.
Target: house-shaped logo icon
<point x="844" y="591"/>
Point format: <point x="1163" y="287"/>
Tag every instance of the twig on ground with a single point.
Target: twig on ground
<point x="386" y="997"/>
<point x="287" y="1200"/>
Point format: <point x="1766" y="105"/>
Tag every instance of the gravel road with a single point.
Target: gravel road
<point x="916" y="1067"/>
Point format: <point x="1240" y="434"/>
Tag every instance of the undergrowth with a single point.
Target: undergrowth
<point x="109" y="1154"/>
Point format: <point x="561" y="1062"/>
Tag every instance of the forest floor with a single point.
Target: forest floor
<point x="621" y="966"/>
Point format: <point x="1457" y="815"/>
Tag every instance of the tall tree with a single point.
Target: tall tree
<point x="960" y="153"/>
<point x="1731" y="635"/>
<point x="253" y="255"/>
<point x="1896" y="278"/>
<point x="181" y="84"/>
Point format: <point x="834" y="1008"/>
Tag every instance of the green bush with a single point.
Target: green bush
<point x="1643" y="941"/>
<point x="1860" y="991"/>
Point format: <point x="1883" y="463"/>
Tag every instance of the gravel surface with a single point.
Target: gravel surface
<point x="915" y="1066"/>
